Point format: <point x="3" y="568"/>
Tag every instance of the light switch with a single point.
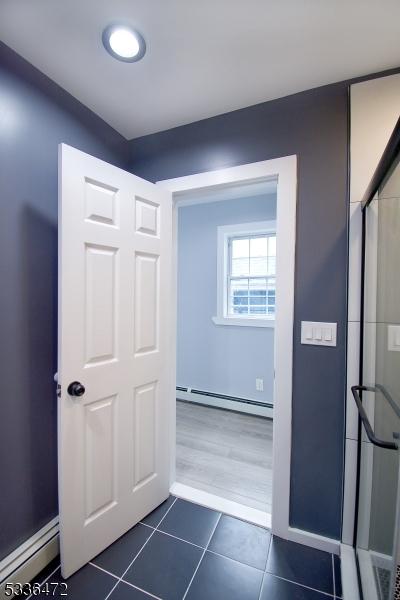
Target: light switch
<point x="394" y="338"/>
<point x="320" y="334"/>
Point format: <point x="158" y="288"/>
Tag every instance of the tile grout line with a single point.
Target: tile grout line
<point x="162" y="519"/>
<point x="120" y="578"/>
<point x="146" y="542"/>
<point x="141" y="590"/>
<point x="266" y="563"/>
<point x="262" y="584"/>
<point x="180" y="539"/>
<point x="229" y="557"/>
<point x="202" y="556"/>
<point x="234" y="560"/>
<point x="104" y="570"/>
<point x="44" y="580"/>
<point x="123" y="581"/>
<point x="145" y="525"/>
<point x="300" y="584"/>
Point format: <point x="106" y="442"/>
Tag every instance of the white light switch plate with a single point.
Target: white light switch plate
<point x="394" y="338"/>
<point x="318" y="334"/>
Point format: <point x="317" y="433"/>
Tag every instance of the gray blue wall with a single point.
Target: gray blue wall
<point x="35" y="116"/>
<point x="218" y="358"/>
<point x="314" y="126"/>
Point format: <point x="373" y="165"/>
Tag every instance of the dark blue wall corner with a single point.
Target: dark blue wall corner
<point x="35" y="116"/>
<point x="314" y="126"/>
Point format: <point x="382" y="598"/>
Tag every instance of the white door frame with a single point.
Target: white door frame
<point x="285" y="171"/>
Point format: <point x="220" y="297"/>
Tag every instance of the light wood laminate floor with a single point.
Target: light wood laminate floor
<point x="225" y="453"/>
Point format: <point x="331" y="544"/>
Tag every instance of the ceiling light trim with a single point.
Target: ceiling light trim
<point x="110" y="29"/>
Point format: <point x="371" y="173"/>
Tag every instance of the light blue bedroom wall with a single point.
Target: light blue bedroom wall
<point x="217" y="358"/>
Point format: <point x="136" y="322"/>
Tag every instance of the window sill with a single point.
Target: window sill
<point x="243" y="322"/>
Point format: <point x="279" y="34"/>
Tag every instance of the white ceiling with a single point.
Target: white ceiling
<point x="204" y="57"/>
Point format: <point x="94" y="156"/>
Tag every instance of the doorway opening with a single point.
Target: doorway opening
<point x="226" y="274"/>
<point x="233" y="263"/>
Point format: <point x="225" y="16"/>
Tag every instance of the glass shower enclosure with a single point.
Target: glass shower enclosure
<point x="378" y="395"/>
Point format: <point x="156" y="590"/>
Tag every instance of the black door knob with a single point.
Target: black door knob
<point x="76" y="389"/>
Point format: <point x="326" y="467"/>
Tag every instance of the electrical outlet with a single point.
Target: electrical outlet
<point x="259" y="385"/>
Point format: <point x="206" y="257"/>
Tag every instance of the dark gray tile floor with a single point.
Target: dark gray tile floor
<point x="184" y="551"/>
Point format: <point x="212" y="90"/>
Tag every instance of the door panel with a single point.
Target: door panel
<point x="115" y="238"/>
<point x="145" y="427"/>
<point x="100" y="306"/>
<point x="146" y="302"/>
<point x="100" y="452"/>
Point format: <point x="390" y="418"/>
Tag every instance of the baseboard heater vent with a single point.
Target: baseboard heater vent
<point x="225" y="397"/>
<point x="234" y="403"/>
<point x="24" y="563"/>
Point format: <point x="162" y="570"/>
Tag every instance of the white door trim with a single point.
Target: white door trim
<point x="285" y="171"/>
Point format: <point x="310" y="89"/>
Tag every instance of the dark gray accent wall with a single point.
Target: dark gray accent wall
<point x="314" y="126"/>
<point x="35" y="116"/>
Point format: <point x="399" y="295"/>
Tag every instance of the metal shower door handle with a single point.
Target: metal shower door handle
<point x="356" y="389"/>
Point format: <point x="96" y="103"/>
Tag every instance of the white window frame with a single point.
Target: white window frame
<point x="225" y="232"/>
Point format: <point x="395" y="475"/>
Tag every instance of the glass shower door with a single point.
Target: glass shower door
<point x="378" y="399"/>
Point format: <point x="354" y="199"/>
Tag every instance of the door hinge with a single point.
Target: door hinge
<point x="58" y="390"/>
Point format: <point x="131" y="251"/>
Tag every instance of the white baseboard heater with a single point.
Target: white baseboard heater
<point x="245" y="405"/>
<point x="24" y="563"/>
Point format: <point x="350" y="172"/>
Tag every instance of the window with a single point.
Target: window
<point x="251" y="275"/>
<point x="246" y="274"/>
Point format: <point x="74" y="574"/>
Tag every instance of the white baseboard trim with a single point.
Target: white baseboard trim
<point x="24" y="563"/>
<point x="313" y="540"/>
<point x="349" y="573"/>
<point x="243" y="407"/>
<point x="228" y="507"/>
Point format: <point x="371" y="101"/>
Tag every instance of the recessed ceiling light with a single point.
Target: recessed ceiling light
<point x="124" y="43"/>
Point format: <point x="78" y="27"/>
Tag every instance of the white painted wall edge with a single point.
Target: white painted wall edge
<point x="24" y="563"/>
<point x="243" y="407"/>
<point x="349" y="573"/>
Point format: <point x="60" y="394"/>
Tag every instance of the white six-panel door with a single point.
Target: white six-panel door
<point x="114" y="288"/>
